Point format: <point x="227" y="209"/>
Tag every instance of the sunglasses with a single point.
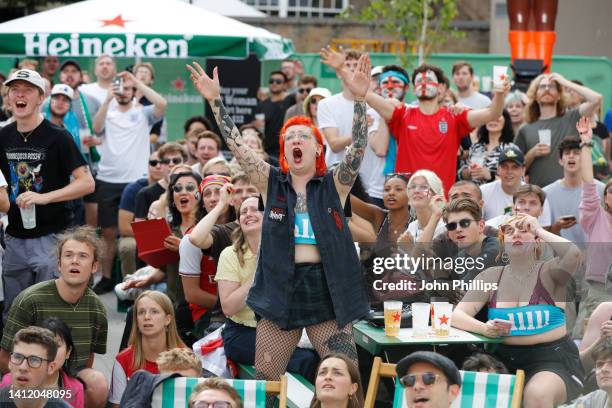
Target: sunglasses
<point x="403" y="176"/>
<point x="426" y="378"/>
<point x="508" y="229"/>
<point x="189" y="187"/>
<point x="463" y="223"/>
<point x="216" y="404"/>
<point x="304" y="90"/>
<point x="33" y="361"/>
<point x="276" y="81"/>
<point x="155" y="162"/>
<point x="418" y="187"/>
<point x="174" y="160"/>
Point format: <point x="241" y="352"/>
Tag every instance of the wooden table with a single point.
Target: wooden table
<point x="373" y="339"/>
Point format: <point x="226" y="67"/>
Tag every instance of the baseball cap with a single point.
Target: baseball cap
<point x="27" y="75"/>
<point x="437" y="360"/>
<point x="62" y="89"/>
<point x="514" y="154"/>
<point x="324" y="92"/>
<point x="70" y="62"/>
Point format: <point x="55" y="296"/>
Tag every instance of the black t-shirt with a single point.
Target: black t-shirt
<point x="601" y="130"/>
<point x="42" y="164"/>
<point x="145" y="197"/>
<point x="275" y="115"/>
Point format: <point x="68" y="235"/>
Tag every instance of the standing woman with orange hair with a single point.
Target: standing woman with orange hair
<point x="308" y="273"/>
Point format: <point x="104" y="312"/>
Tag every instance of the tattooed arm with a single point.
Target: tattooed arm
<point x="253" y="165"/>
<point x="346" y="173"/>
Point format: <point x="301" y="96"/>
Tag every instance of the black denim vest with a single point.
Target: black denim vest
<point x="270" y="295"/>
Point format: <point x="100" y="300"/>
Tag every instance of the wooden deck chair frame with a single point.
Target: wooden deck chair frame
<point x="272" y="387"/>
<point x="387" y="370"/>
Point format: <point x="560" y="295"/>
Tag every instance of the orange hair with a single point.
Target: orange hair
<point x="320" y="166"/>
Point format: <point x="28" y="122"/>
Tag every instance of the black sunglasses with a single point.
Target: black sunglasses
<point x="410" y="380"/>
<point x="190" y="187"/>
<point x="304" y="90"/>
<point x="155" y="162"/>
<point x="174" y="160"/>
<point x="276" y="81"/>
<point x="463" y="223"/>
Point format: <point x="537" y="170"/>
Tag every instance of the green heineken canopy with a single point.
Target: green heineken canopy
<point x="137" y="28"/>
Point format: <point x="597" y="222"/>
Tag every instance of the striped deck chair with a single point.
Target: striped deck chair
<point x="478" y="390"/>
<point x="175" y="392"/>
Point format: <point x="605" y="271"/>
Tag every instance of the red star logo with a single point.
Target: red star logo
<point x="178" y="83"/>
<point x="117" y="21"/>
<point x="443" y="319"/>
<point x="397" y="317"/>
<point x="503" y="77"/>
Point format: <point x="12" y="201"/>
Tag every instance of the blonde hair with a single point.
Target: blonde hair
<point x="178" y="359"/>
<point x="239" y="240"/>
<point x="213" y="162"/>
<point x="435" y="184"/>
<point x="173" y="339"/>
<point x="532" y="110"/>
<point x="146" y="65"/>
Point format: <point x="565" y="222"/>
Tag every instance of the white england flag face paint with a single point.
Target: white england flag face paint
<point x="426" y="85"/>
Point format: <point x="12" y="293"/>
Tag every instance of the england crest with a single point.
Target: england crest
<point x="443" y="126"/>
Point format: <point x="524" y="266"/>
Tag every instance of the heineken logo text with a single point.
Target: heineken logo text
<point x="120" y="45"/>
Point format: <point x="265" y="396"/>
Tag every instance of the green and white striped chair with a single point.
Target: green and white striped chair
<point x="478" y="390"/>
<point x="175" y="392"/>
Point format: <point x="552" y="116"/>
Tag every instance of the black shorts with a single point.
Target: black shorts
<point x="560" y="357"/>
<point x="108" y="196"/>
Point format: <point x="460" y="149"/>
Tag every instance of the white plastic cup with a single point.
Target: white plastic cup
<point x="420" y="319"/>
<point x="500" y="75"/>
<point x="393" y="318"/>
<point x="260" y="116"/>
<point x="545" y="136"/>
<point x="434" y="305"/>
<point x="28" y="216"/>
<point x="442" y="316"/>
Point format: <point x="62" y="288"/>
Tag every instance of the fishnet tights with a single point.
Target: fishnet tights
<point x="274" y="347"/>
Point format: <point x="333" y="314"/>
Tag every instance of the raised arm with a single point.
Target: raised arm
<point x="592" y="99"/>
<point x="358" y="83"/>
<point x="586" y="138"/>
<point x="200" y="236"/>
<point x="381" y="105"/>
<point x="254" y="166"/>
<point x="156" y="99"/>
<point x="479" y="117"/>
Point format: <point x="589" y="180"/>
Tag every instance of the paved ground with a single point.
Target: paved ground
<point x="116" y="323"/>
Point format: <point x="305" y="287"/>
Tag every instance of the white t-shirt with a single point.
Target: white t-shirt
<point x="95" y="91"/>
<point x="415" y="231"/>
<point x="372" y="168"/>
<point x="189" y="259"/>
<point x="335" y="112"/>
<point x="496" y="199"/>
<point x="475" y="101"/>
<point x="125" y="145"/>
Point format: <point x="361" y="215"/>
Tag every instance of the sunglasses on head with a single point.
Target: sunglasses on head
<point x="403" y="176"/>
<point x="276" y="81"/>
<point x="304" y="90"/>
<point x="463" y="223"/>
<point x="189" y="187"/>
<point x="410" y="379"/>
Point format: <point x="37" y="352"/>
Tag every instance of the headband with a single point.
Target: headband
<point x="214" y="180"/>
<point x="392" y="73"/>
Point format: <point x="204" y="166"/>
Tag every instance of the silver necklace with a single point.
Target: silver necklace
<point x="25" y="136"/>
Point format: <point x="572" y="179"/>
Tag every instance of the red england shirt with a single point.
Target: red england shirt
<point x="428" y="141"/>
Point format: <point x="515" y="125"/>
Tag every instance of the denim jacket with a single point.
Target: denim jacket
<point x="270" y="295"/>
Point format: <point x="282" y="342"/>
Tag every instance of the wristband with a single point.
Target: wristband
<point x="586" y="144"/>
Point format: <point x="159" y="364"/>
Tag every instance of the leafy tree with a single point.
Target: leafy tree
<point x="423" y="24"/>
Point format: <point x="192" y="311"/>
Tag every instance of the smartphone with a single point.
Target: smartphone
<point x="118" y="85"/>
<point x="568" y="218"/>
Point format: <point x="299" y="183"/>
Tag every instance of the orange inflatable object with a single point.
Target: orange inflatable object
<point x="532" y="45"/>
